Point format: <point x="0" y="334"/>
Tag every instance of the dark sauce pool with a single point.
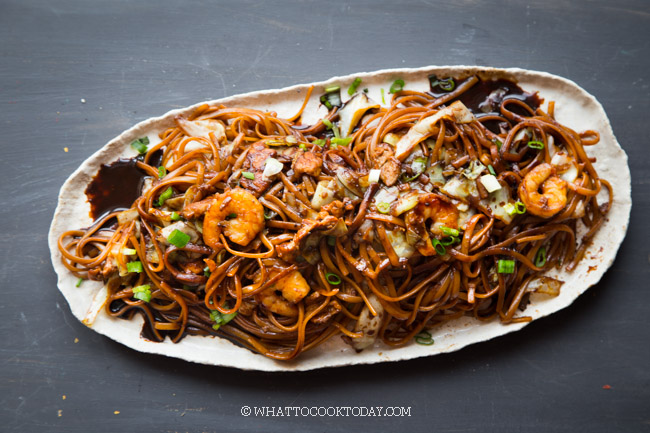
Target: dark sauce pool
<point x="115" y="187"/>
<point x="484" y="98"/>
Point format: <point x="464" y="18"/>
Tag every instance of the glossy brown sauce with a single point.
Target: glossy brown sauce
<point x="485" y="96"/>
<point x="115" y="187"/>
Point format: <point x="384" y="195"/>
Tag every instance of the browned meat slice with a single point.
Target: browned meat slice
<point x="195" y="210"/>
<point x="308" y="163"/>
<point x="390" y="171"/>
<point x="385" y="160"/>
<point x="255" y="163"/>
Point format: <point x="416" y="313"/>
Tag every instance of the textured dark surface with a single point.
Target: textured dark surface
<point x="133" y="60"/>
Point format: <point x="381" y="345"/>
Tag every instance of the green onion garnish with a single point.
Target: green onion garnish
<point x="424" y="338"/>
<point x="418" y="166"/>
<point x="331" y="241"/>
<point x="520" y="207"/>
<point x="140" y="145"/>
<point x="220" y="319"/>
<point x="231" y="215"/>
<point x="268" y="215"/>
<point x="497" y="142"/>
<point x="128" y="252"/>
<point x="440" y="248"/>
<point x="445" y="84"/>
<point x="302" y="146"/>
<point x="162" y="172"/>
<point x="353" y="86"/>
<point x="449" y="232"/>
<point x="383" y="100"/>
<point x="206" y="271"/>
<point x="178" y="238"/>
<point x="165" y="196"/>
<point x="505" y="266"/>
<point x="491" y="170"/>
<point x="536" y="145"/>
<point x="448" y="240"/>
<point x="341" y="141"/>
<point x="327" y="123"/>
<point x="332" y="97"/>
<point x="142" y="293"/>
<point x="79" y="281"/>
<point x="335" y="130"/>
<point x="540" y="257"/>
<point x="383" y="207"/>
<point x="248" y="175"/>
<point x="319" y="142"/>
<point x="175" y="216"/>
<point x="134" y="267"/>
<point x="333" y="279"/>
<point x="397" y="86"/>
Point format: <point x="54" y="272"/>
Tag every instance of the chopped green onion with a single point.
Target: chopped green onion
<point x="206" y="271"/>
<point x="248" y="175"/>
<point x="332" y="97"/>
<point x="175" y="216"/>
<point x="510" y="208"/>
<point x="497" y="142"/>
<point x="353" y="86"/>
<point x="383" y="100"/>
<point x="383" y="207"/>
<point x="142" y="292"/>
<point x="491" y="170"/>
<point x="445" y="84"/>
<point x="231" y="215"/>
<point x="424" y="338"/>
<point x="302" y="146"/>
<point x="341" y="141"/>
<point x="397" y="86"/>
<point x="319" y="141"/>
<point x="440" y="248"/>
<point x="327" y="123"/>
<point x="220" y="319"/>
<point x="520" y="208"/>
<point x="140" y="145"/>
<point x="165" y="196"/>
<point x="333" y="279"/>
<point x="79" y="281"/>
<point x="540" y="257"/>
<point x="178" y="238"/>
<point x="449" y="231"/>
<point x="536" y="145"/>
<point x="128" y="252"/>
<point x="418" y="166"/>
<point x="331" y="241"/>
<point x="162" y="172"/>
<point x="268" y="215"/>
<point x="448" y="240"/>
<point x="506" y="266"/>
<point x="335" y="130"/>
<point x="134" y="267"/>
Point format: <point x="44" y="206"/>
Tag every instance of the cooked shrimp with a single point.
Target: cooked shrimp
<point x="238" y="213"/>
<point x="430" y="206"/>
<point x="553" y="197"/>
<point x="293" y="287"/>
